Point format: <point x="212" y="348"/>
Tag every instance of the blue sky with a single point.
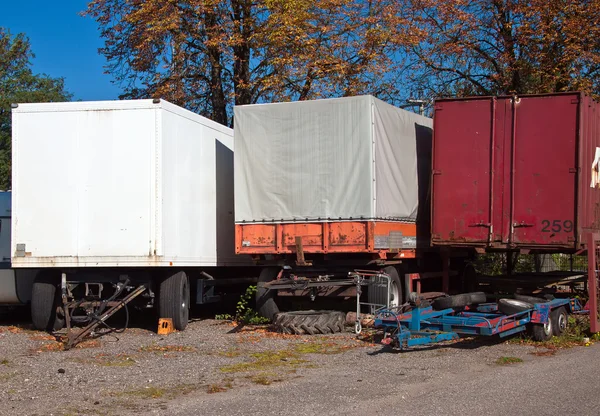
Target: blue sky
<point x="65" y="44"/>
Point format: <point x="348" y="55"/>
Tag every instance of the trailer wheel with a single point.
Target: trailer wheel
<point x="310" y="322"/>
<point x="543" y="332"/>
<point x="530" y="299"/>
<point x="265" y="297"/>
<point x="174" y="300"/>
<point x="559" y="320"/>
<point x="513" y="306"/>
<point x="45" y="301"/>
<point x="378" y="291"/>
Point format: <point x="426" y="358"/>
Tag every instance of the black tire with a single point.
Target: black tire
<point x="266" y="306"/>
<point x="542" y="332"/>
<point x="559" y="320"/>
<point x="477" y="297"/>
<point x="45" y="300"/>
<point x="455" y="302"/>
<point x="513" y="306"/>
<point x="174" y="300"/>
<point x="459" y="301"/>
<point x="377" y="292"/>
<point x="310" y="322"/>
<point x="530" y="299"/>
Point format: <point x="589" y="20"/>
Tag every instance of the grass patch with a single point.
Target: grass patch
<point x="4" y="362"/>
<point x="156" y="392"/>
<point x="264" y="379"/>
<point x="265" y="360"/>
<point x="167" y="348"/>
<point x="508" y="360"/>
<point x="323" y="347"/>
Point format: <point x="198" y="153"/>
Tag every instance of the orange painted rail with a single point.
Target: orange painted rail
<point x="377" y="237"/>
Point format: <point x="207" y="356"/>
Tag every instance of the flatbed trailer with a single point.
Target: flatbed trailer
<point x="423" y="325"/>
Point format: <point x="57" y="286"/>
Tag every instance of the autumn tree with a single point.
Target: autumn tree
<point x="18" y="84"/>
<point x="209" y="55"/>
<point x="485" y="47"/>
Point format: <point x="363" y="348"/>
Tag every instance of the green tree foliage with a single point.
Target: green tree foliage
<point x="18" y="84"/>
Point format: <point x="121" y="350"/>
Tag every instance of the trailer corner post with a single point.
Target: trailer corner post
<point x="592" y="243"/>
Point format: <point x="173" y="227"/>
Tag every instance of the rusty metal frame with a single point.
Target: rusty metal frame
<point x="75" y="338"/>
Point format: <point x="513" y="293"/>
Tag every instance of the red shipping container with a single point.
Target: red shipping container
<point x="516" y="172"/>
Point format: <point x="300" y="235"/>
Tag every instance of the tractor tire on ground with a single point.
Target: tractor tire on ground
<point x="559" y="320"/>
<point x="377" y="291"/>
<point x="174" y="300"/>
<point x="459" y="301"/>
<point x="310" y="322"/>
<point x="266" y="306"/>
<point x="45" y="300"/>
<point x="530" y="299"/>
<point x="513" y="306"/>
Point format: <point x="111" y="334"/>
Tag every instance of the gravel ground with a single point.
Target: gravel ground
<point x="218" y="368"/>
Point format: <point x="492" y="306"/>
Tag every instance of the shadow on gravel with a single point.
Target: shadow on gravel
<point x="470" y="343"/>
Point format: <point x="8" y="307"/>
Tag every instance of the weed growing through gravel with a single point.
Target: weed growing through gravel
<point x="220" y="387"/>
<point x="4" y="362"/>
<point x="508" y="360"/>
<point x="155" y="392"/>
<point x="265" y="360"/>
<point x="264" y="379"/>
<point x="244" y="314"/>
<point x="577" y="331"/>
<point x="322" y="348"/>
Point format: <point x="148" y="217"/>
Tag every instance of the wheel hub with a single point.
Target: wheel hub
<point x="562" y="323"/>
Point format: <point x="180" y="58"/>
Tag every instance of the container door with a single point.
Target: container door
<point x="462" y="153"/>
<point x="544" y="166"/>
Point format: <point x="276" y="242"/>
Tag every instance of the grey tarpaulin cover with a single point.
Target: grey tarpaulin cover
<point x="341" y="158"/>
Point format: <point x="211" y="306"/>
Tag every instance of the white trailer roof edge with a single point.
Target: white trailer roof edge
<point x="119" y="105"/>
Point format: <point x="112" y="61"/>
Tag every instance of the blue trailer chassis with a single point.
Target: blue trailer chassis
<point x="423" y="325"/>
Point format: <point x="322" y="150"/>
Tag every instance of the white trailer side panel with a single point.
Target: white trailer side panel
<point x="128" y="183"/>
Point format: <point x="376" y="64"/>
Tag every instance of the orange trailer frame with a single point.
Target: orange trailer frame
<point x="382" y="239"/>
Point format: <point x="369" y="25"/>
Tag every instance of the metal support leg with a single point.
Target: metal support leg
<point x="592" y="282"/>
<point x="64" y="297"/>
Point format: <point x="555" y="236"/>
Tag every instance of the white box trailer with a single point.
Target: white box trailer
<point x="135" y="188"/>
<point x="120" y="183"/>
